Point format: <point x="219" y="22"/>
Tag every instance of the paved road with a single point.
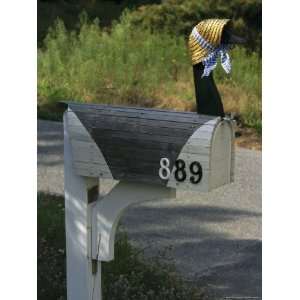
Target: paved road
<point x="215" y="238"/>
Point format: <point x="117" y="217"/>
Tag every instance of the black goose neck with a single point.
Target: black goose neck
<point x="208" y="98"/>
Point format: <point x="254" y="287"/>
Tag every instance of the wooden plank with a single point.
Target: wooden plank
<point x="76" y="106"/>
<point x="138" y="144"/>
<point x="97" y="120"/>
<point x="132" y="153"/>
<point x="134" y="177"/>
<point x="99" y="135"/>
<point x="130" y="136"/>
<point x="189" y="119"/>
<point x="141" y="129"/>
<point x="91" y="170"/>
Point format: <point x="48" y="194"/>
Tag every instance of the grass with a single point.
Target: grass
<point x="132" y="66"/>
<point x="51" y="248"/>
<point x="129" y="277"/>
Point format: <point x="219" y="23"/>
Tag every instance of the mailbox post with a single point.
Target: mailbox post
<point x="150" y="153"/>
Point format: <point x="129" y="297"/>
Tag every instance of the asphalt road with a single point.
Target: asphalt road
<point x="214" y="238"/>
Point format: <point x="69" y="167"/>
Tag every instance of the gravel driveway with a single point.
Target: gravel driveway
<point x="215" y="238"/>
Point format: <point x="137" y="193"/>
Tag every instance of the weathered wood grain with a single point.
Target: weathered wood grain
<point x="132" y="140"/>
<point x="84" y="148"/>
<point x="108" y="107"/>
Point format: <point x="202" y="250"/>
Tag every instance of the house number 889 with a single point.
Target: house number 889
<point x="180" y="170"/>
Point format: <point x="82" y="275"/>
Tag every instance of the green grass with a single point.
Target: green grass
<point x="133" y="66"/>
<point x="129" y="277"/>
<point x="51" y="248"/>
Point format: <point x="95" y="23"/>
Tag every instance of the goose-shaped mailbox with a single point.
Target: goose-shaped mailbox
<point x="148" y="154"/>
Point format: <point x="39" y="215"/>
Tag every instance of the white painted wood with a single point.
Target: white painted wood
<point x="205" y="142"/>
<point x="220" y="156"/>
<point x="90" y="169"/>
<point x="197" y="148"/>
<point x="201" y="139"/>
<point x="85" y="150"/>
<point x="78" y="133"/>
<point x="202" y="186"/>
<point x="81" y="283"/>
<point x="108" y="210"/>
<point x="190" y="157"/>
<point x="212" y="145"/>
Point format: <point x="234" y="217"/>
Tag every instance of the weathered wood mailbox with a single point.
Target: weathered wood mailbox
<point x="151" y="153"/>
<point x="175" y="149"/>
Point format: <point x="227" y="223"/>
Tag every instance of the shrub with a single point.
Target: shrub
<point x="178" y="17"/>
<point x="94" y="65"/>
<point x="134" y="66"/>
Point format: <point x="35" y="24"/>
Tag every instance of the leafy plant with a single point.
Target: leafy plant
<point x="178" y="17"/>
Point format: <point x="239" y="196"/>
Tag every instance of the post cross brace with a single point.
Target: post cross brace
<point x="107" y="211"/>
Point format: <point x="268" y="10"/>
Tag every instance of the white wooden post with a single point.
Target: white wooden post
<point x="108" y="211"/>
<point x="83" y="279"/>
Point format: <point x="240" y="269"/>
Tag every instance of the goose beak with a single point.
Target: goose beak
<point x="235" y="40"/>
<point x="228" y="37"/>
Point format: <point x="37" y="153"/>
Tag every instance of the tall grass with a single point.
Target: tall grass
<point x="241" y="90"/>
<point x="134" y="66"/>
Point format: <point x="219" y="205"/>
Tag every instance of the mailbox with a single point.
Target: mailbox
<point x="182" y="150"/>
<point x="151" y="153"/>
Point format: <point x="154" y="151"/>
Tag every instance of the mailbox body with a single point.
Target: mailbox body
<point x="128" y="143"/>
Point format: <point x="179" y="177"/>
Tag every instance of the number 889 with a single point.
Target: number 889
<point x="180" y="172"/>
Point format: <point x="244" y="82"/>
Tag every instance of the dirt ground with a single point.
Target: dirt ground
<point x="248" y="138"/>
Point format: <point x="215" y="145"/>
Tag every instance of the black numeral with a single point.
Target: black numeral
<point x="195" y="169"/>
<point x="180" y="174"/>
